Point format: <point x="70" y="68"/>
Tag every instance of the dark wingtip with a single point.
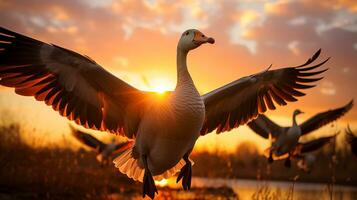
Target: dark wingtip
<point x="311" y="59"/>
<point x="317" y="53"/>
<point x="350" y="104"/>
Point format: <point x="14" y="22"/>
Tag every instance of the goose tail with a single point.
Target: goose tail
<point x="129" y="166"/>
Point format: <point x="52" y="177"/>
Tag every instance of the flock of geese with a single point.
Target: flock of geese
<point x="163" y="128"/>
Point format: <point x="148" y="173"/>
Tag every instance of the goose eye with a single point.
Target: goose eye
<point x="187" y="33"/>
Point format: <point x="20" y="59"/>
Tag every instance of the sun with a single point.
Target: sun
<point x="161" y="85"/>
<point x="161" y="183"/>
<point x="160" y="89"/>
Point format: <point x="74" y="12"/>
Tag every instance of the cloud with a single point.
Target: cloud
<point x="328" y="88"/>
<point x="293" y="46"/>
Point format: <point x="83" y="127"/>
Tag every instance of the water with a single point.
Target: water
<point x="248" y="189"/>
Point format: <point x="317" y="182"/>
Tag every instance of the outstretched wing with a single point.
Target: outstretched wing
<point x="242" y="100"/>
<point x="264" y="127"/>
<point x="87" y="139"/>
<point x="324" y="118"/>
<point x="122" y="146"/>
<point x="316" y="144"/>
<point x="73" y="84"/>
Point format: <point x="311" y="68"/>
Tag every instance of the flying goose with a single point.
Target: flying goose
<point x="351" y="140"/>
<point x="303" y="152"/>
<point x="285" y="139"/>
<point x="104" y="151"/>
<point x="165" y="127"/>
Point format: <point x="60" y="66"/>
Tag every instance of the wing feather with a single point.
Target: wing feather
<point x="245" y="98"/>
<point x="324" y="118"/>
<point x="73" y="84"/>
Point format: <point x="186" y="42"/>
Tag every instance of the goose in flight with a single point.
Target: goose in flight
<point x="164" y="127"/>
<point x="303" y="151"/>
<point x="104" y="151"/>
<point x="351" y="140"/>
<point x="285" y="139"/>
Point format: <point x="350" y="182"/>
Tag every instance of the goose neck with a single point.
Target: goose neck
<point x="183" y="76"/>
<point x="294" y="119"/>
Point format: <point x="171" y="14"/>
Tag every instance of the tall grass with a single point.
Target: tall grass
<point x="52" y="171"/>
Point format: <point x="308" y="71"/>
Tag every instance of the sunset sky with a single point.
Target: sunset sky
<point x="136" y="41"/>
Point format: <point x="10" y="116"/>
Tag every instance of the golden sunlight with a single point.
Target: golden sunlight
<point x="161" y="183"/>
<point x="160" y="85"/>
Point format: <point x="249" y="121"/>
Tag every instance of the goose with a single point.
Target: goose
<point x="164" y="127"/>
<point x="285" y="139"/>
<point x="306" y="162"/>
<point x="351" y="140"/>
<point x="303" y="152"/>
<point x="104" y="151"/>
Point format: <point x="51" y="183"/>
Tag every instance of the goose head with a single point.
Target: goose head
<point x="191" y="39"/>
<point x="297" y="112"/>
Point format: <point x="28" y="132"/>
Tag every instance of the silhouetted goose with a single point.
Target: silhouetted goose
<point x="303" y="151"/>
<point x="165" y="127"/>
<point x="104" y="151"/>
<point x="286" y="138"/>
<point x="352" y="140"/>
<point x="306" y="162"/>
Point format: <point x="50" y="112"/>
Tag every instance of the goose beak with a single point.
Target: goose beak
<point x="200" y="38"/>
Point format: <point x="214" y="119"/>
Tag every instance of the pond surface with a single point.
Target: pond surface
<point x="252" y="189"/>
<point x="243" y="189"/>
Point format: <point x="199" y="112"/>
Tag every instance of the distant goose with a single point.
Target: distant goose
<point x="285" y="139"/>
<point x="303" y="152"/>
<point x="306" y="162"/>
<point x="352" y="140"/>
<point x="165" y="127"/>
<point x="104" y="151"/>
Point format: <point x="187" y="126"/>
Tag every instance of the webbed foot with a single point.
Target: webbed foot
<point x="149" y="187"/>
<point x="185" y="174"/>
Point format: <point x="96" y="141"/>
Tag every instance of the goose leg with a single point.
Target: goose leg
<point x="149" y="187"/>
<point x="287" y="162"/>
<point x="185" y="173"/>
<point x="270" y="158"/>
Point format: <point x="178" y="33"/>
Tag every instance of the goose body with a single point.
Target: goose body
<point x="287" y="141"/>
<point x="171" y="129"/>
<point x="164" y="127"/>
